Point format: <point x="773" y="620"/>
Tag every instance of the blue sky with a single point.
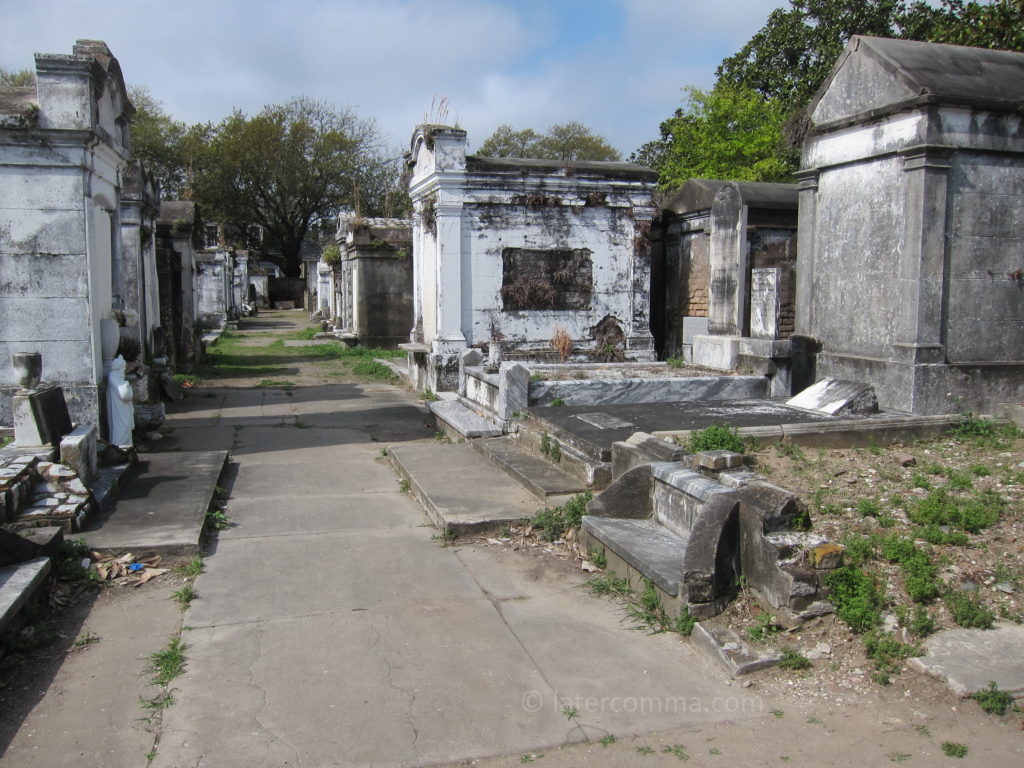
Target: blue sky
<point x="616" y="65"/>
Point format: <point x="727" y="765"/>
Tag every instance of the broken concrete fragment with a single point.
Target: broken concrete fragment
<point x="826" y="556"/>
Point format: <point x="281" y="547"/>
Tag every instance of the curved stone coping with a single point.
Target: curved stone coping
<point x="686" y="480"/>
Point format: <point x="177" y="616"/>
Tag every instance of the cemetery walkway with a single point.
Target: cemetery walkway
<point x="331" y="628"/>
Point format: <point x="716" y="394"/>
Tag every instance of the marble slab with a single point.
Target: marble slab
<point x="626" y="391"/>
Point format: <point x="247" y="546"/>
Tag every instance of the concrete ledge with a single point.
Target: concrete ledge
<point x="461" y="492"/>
<point x="967" y="659"/>
<point x="843" y="433"/>
<point x="541" y="478"/>
<point x="731" y="653"/>
<point x="17" y="585"/>
<point x="465" y="422"/>
<point x="162" y="510"/>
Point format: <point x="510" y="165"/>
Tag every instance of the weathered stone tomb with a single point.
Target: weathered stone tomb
<point x="371" y="284"/>
<point x="64" y="163"/>
<point x="725" y="267"/>
<point x="507" y="252"/>
<point x="911" y="220"/>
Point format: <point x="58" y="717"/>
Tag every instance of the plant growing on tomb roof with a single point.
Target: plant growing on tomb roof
<point x="331" y="255"/>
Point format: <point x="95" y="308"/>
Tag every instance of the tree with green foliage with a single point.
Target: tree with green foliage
<point x="169" y="149"/>
<point x="287" y="169"/>
<point x="786" y="62"/>
<point x="566" y="142"/>
<point x="729" y="132"/>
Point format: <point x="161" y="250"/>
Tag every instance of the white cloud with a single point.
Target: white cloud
<point x="493" y="59"/>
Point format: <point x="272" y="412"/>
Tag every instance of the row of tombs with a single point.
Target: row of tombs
<point x="894" y="260"/>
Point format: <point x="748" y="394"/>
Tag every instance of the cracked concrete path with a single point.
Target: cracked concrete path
<point x="331" y="629"/>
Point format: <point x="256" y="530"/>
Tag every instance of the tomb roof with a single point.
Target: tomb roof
<point x="606" y="169"/>
<point x="699" y="194"/>
<point x="876" y="75"/>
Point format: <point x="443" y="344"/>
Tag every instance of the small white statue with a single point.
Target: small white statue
<point x="120" y="409"/>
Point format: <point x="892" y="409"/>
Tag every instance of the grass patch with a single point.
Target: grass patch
<point x="646" y="610"/>
<point x="276" y="383"/>
<point x="993" y="700"/>
<point x="887" y="653"/>
<point x="167" y="664"/>
<point x="857" y="596"/>
<point x="954" y="749"/>
<point x="185" y="595"/>
<point x="374" y="369"/>
<point x="794" y="660"/>
<point x="967" y="611"/>
<point x="609" y="584"/>
<point x="191" y="569"/>
<point x="557" y="521"/>
<point x="764" y="628"/>
<point x="971" y="513"/>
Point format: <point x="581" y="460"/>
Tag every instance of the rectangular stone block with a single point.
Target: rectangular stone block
<point x="78" y="451"/>
<point x="765" y="302"/>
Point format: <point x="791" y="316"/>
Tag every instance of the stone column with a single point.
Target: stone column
<point x="922" y="273"/>
<point x="727" y="310"/>
<point x="323" y="288"/>
<point x="416" y="332"/>
<point x="450" y="338"/>
<point x="807" y="215"/>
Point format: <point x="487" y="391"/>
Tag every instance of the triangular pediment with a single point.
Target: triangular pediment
<point x="859" y="84"/>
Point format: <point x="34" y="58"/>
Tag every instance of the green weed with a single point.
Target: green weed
<point x="374" y="369"/>
<point x="191" y="569"/>
<point x="646" y="611"/>
<point x="967" y="611"/>
<point x="993" y="700"/>
<point x="185" y="595"/>
<point x="954" y="749"/>
<point x="764" y="629"/>
<point x="716" y="438"/>
<point x="685" y="622"/>
<point x="609" y="584"/>
<point x="969" y="513"/>
<point x="794" y="660"/>
<point x="677" y="750"/>
<point x="676" y="362"/>
<point x="857" y="596"/>
<point x="167" y="664"/>
<point x="556" y="521"/>
<point x="557" y="402"/>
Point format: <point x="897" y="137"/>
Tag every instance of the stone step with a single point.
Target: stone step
<point x="542" y="478"/>
<point x="594" y="473"/>
<point x="17" y="585"/>
<point x="461" y="492"/>
<point x="454" y="416"/>
<point x="649" y="548"/>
